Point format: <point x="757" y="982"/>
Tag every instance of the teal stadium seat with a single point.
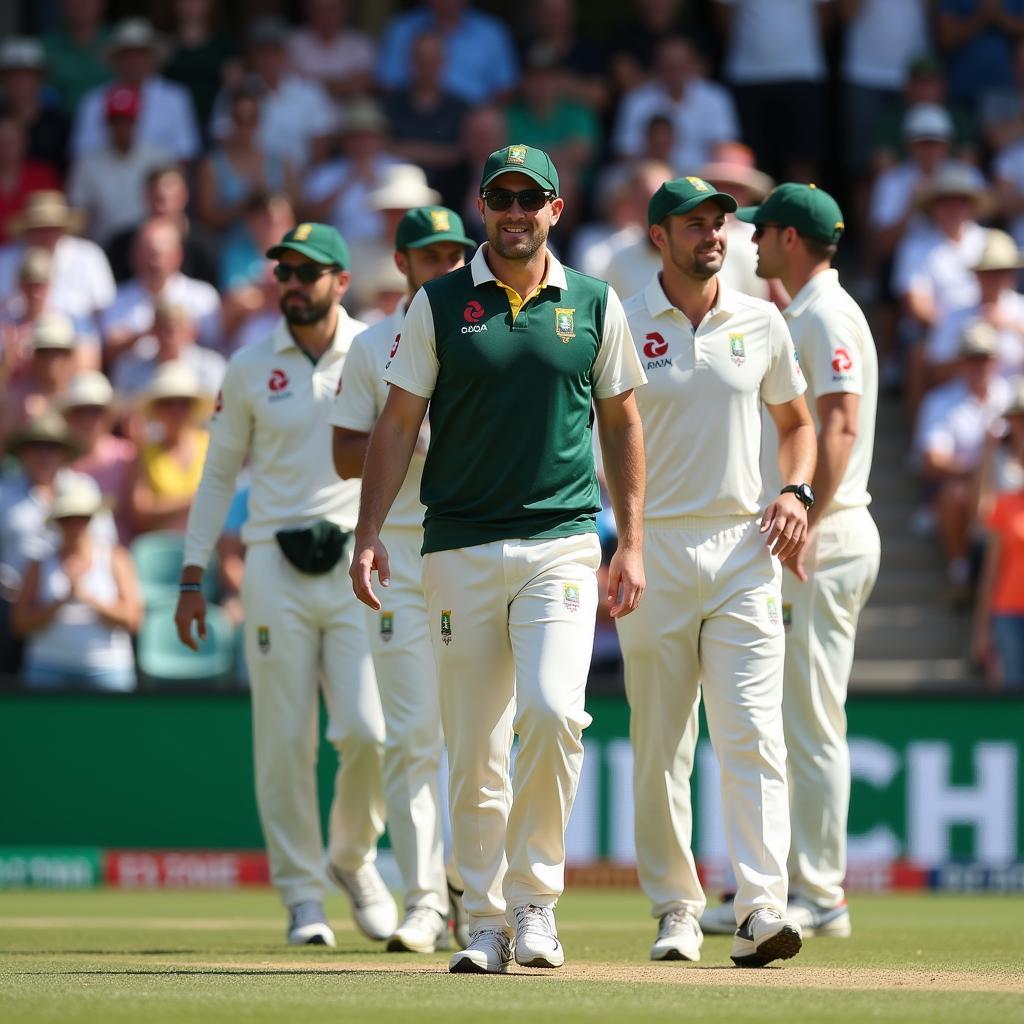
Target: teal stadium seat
<point x="162" y="659"/>
<point x="158" y="558"/>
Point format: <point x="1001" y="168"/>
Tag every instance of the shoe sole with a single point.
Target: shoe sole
<point x="540" y="961"/>
<point x="397" y="945"/>
<point x="467" y="966"/>
<point x="674" y="954"/>
<point x="784" y="945"/>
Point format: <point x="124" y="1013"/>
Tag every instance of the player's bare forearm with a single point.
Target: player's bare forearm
<point x="798" y="446"/>
<point x="348" y="448"/>
<point x="838" y="417"/>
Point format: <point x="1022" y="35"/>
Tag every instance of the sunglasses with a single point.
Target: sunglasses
<point x="307" y="273"/>
<point x="530" y="199"/>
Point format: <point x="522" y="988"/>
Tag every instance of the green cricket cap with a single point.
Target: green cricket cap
<point x="809" y="209"/>
<point x="534" y="163"/>
<point x="680" y="195"/>
<point x="320" y="242"/>
<point x="425" y="225"/>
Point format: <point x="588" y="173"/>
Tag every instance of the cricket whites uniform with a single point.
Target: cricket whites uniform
<point x="711" y="618"/>
<point x="400" y="642"/>
<point x="511" y="555"/>
<point x="837" y="354"/>
<point x="303" y="632"/>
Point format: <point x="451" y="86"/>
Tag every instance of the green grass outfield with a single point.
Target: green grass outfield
<point x="155" y="957"/>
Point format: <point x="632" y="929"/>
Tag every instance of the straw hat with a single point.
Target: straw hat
<point x="177" y="380"/>
<point x="78" y="495"/>
<point x="53" y="331"/>
<point x="1000" y="252"/>
<point x="46" y="428"/>
<point x="735" y="166"/>
<point x="954" y="180"/>
<point x="979" y="338"/>
<point x="87" y="388"/>
<point x="403" y="188"/>
<point x="46" y="209"/>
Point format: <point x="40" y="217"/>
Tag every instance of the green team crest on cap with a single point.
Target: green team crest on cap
<point x="516" y="155"/>
<point x="565" y="324"/>
<point x="387" y="626"/>
<point x="440" y="221"/>
<point x="446" y="626"/>
<point x="737" y="349"/>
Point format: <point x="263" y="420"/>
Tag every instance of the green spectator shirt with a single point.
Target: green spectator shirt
<point x="511" y="382"/>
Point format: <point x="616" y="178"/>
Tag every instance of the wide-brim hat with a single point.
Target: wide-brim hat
<point x="722" y="172"/>
<point x="999" y="253"/>
<point x="22" y="53"/>
<point x="954" y="181"/>
<point x="53" y="331"/>
<point x="404" y="187"/>
<point x="979" y="339"/>
<point x="78" y="495"/>
<point x="90" y="387"/>
<point x="364" y="116"/>
<point x="177" y="380"/>
<point x="46" y="428"/>
<point x="46" y="208"/>
<point x="135" y="34"/>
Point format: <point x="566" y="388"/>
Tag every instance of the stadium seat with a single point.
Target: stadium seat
<point x="158" y="557"/>
<point x="163" y="660"/>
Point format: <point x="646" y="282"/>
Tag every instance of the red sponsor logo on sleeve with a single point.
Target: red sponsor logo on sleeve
<point x="841" y="360"/>
<point x="394" y="347"/>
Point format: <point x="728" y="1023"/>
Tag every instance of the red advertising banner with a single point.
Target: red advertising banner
<point x="186" y="869"/>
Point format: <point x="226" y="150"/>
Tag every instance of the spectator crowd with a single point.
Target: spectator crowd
<point x="144" y="172"/>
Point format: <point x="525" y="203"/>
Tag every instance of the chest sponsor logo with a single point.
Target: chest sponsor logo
<point x="277" y="385"/>
<point x="571" y="596"/>
<point x="387" y="626"/>
<point x="737" y="349"/>
<point x="565" y="324"/>
<point x="473" y="314"/>
<point x="446" y="626"/>
<point x="655" y="346"/>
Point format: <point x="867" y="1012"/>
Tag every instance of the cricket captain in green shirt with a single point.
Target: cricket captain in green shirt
<point x="515" y="355"/>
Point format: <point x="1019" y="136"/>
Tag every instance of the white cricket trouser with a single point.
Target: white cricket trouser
<point x="823" y="613"/>
<point x="304" y="633"/>
<point x="512" y="625"/>
<point x="407" y="680"/>
<point x="710" y="620"/>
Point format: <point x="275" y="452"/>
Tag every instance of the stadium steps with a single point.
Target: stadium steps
<point x="908" y="638"/>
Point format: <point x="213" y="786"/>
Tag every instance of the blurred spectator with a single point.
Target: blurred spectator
<point x="78" y="606"/>
<point x="297" y="116"/>
<point x="581" y="63"/>
<point x="998" y="642"/>
<point x="326" y="49"/>
<point x="978" y="38"/>
<point x="89" y="408"/>
<point x="999" y="304"/>
<point x="167" y="119"/>
<point x="43" y="448"/>
<point x="659" y="140"/>
<point x="480" y="62"/>
<point x="46" y="375"/>
<point x="243" y="262"/>
<point x="157" y="259"/>
<point x="775" y="63"/>
<point x="620" y="220"/>
<point x="22" y="85"/>
<point x="1008" y="172"/>
<point x="425" y="119"/>
<point x="167" y="196"/>
<point x="109" y="185"/>
<point x="701" y="111"/>
<point x="734" y="172"/>
<point x="20" y="175"/>
<point x="199" y="52"/>
<point x="19" y="312"/>
<point x="76" y="54"/>
<point x="172" y="450"/>
<point x="384" y="287"/>
<point x="651" y="21"/>
<point x="173" y="339"/>
<point x="565" y="129"/>
<point x="337" y="192"/>
<point x="238" y="168"/>
<point x="81" y="285"/>
<point x="954" y="422"/>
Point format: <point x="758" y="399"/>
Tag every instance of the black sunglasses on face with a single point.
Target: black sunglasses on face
<point x="307" y="273"/>
<point x="530" y="199"/>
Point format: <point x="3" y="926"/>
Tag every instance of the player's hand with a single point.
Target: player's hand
<point x="797" y="565"/>
<point x="370" y="554"/>
<point x="785" y="522"/>
<point x="191" y="608"/>
<point x="626" y="583"/>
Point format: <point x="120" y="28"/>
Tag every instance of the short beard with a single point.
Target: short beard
<point x="307" y="313"/>
<point x="534" y="243"/>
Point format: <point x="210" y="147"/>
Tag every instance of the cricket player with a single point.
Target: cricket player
<point x="512" y="353"/>
<point x="302" y="633"/>
<point x="430" y="241"/>
<point x="797" y="230"/>
<point x="712" y="618"/>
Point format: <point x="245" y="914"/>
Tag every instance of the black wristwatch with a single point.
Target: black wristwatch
<point x="802" y="491"/>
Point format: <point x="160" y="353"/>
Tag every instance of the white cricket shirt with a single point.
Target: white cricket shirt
<point x="701" y="408"/>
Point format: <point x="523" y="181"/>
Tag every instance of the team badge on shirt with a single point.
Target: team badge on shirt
<point x="773" y="611"/>
<point x="263" y="639"/>
<point x="737" y="349"/>
<point x="565" y="324"/>
<point x="571" y="596"/>
<point x="446" y="626"/>
<point x="387" y="626"/>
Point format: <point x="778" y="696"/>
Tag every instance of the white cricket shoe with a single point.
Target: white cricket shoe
<point x="458" y="917"/>
<point x="537" y="942"/>
<point x="307" y="925"/>
<point x="679" y="937"/>
<point x="422" y="931"/>
<point x="489" y="952"/>
<point x="720" y="920"/>
<point x="373" y="907"/>
<point x="814" y="920"/>
<point x="763" y="937"/>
